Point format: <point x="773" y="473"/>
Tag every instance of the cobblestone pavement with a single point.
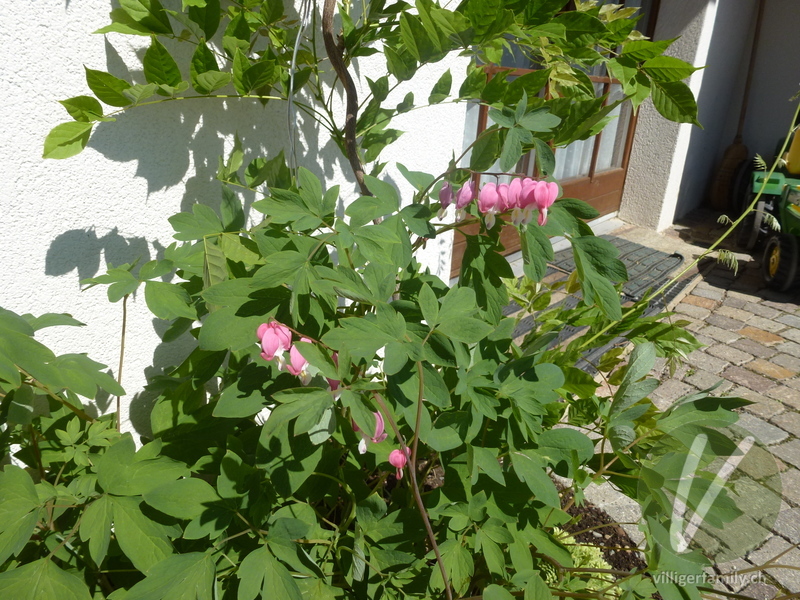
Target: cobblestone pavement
<point x="751" y="338"/>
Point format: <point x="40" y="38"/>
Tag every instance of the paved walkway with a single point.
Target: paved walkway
<point x="752" y="343"/>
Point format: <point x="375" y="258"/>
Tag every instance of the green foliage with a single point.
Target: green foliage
<point x="264" y="482"/>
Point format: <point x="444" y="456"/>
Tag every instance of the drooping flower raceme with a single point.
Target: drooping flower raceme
<point x="297" y="364"/>
<point x="519" y="197"/>
<point x="445" y="199"/>
<point x="463" y="198"/>
<point x="379" y="436"/>
<point x="398" y="459"/>
<point x="275" y="339"/>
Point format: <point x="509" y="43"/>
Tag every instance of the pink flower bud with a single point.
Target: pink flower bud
<point x="465" y="195"/>
<point x="445" y="195"/>
<point x="275" y="338"/>
<point x="398" y="459"/>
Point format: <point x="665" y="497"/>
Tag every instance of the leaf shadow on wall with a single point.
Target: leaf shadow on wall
<point x="176" y="148"/>
<point x="82" y="249"/>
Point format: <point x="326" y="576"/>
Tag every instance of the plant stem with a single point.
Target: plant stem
<point x="38" y="384"/>
<point x="335" y="56"/>
<point x="163" y="100"/>
<point x="415" y="490"/>
<point x="122" y="357"/>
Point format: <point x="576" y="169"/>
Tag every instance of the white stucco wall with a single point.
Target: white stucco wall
<point x="660" y="147"/>
<point x="776" y="78"/>
<point x="65" y="220"/>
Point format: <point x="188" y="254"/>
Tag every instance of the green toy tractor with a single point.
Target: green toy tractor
<point x="781" y="200"/>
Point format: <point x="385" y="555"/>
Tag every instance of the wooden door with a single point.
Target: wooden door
<point x="592" y="170"/>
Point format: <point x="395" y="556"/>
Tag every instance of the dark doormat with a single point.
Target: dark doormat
<point x="647" y="269"/>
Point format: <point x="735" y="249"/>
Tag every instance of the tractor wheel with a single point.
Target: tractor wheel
<point x="779" y="266"/>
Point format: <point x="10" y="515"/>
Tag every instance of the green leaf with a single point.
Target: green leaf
<point x="202" y="221"/>
<point x="231" y="210"/>
<point x="83" y="108"/>
<point x="465" y="329"/>
<point x="42" y="579"/>
<point x="632" y="389"/>
<point x="536" y="588"/>
<point x="224" y="330"/>
<point x="260" y="567"/>
<point x="143" y="541"/>
<point x="441" y="90"/>
<point x="184" y="498"/>
<point x="429" y="305"/>
<point x="188" y="576"/>
<point x="96" y="527"/>
<point x="559" y="444"/>
<point x="107" y="88"/>
<point x="675" y="101"/>
<point x="279" y="268"/>
<point x="83" y="376"/>
<point x="148" y="13"/>
<point x="159" y="66"/>
<point x="67" y="139"/>
<point x="52" y="320"/>
<point x="377" y="242"/>
<point x="215" y="267"/>
<point x="495" y="592"/>
<point x="211" y="81"/>
<point x="458" y="564"/>
<point x="203" y="61"/>
<point x="474" y="82"/>
<point x="138" y="92"/>
<point x="274" y="172"/>
<point x="536" y="252"/>
<point x="122" y="22"/>
<point x="644" y="49"/>
<point x="417" y="218"/>
<point x="485" y="151"/>
<point x="540" y="120"/>
<point x="317" y="358"/>
<point x="18" y="514"/>
<point x="122" y="471"/>
<point x="379" y="88"/>
<point x="258" y="75"/>
<point x="168" y="301"/>
<point x="485" y="460"/>
<point x="530" y="468"/>
<point x="400" y="63"/>
<point x="237" y="34"/>
<point x="207" y="18"/>
<point x="240" y="65"/>
<point x="306" y="405"/>
<point x="512" y="150"/>
<point x="16" y="535"/>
